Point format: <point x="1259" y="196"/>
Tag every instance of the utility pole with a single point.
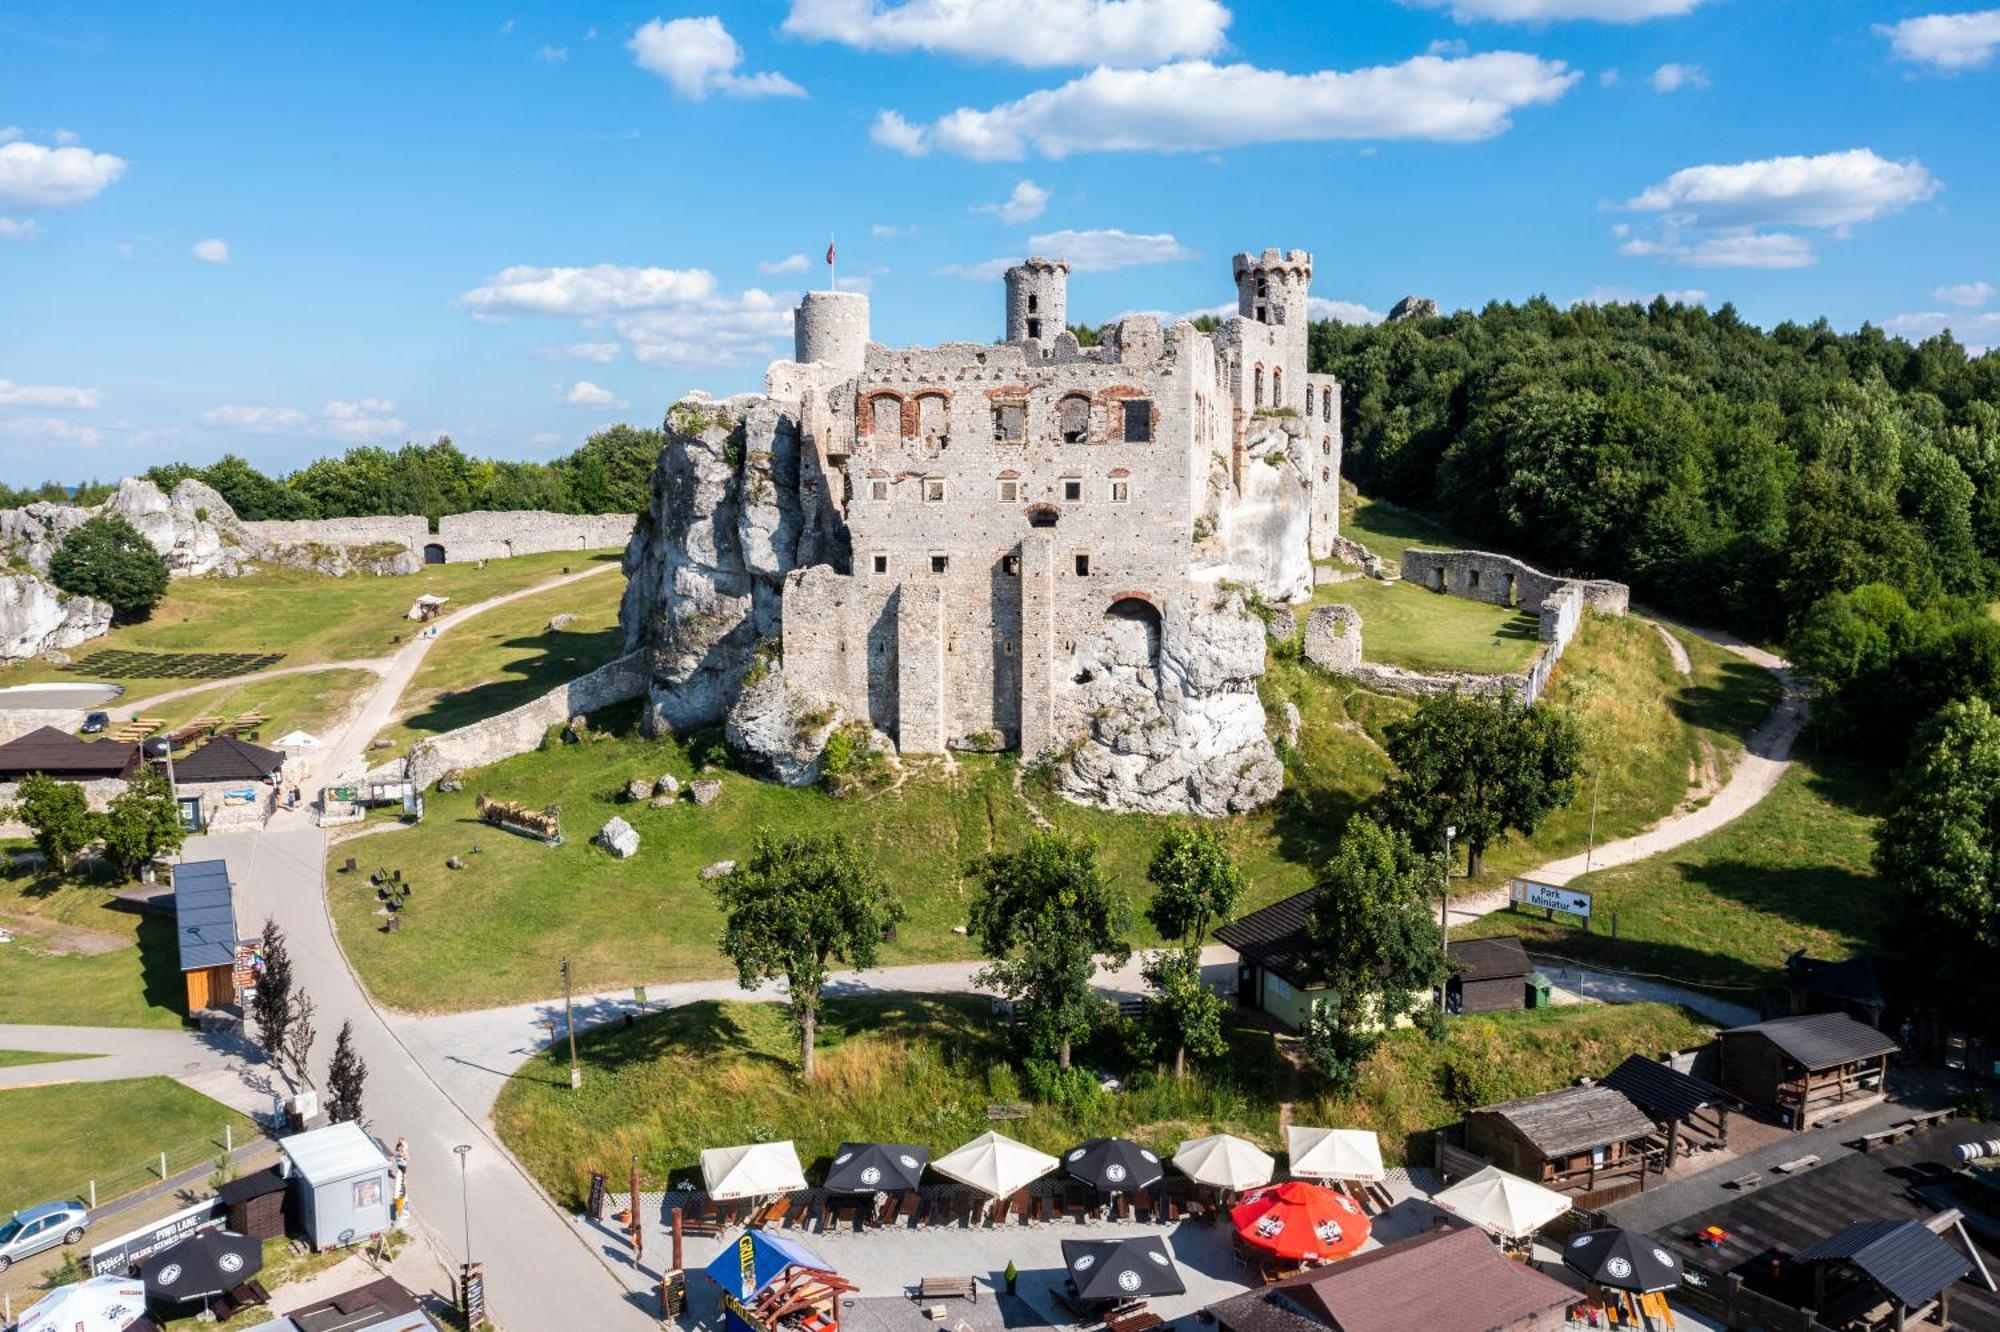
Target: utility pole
<point x="569" y="1022"/>
<point x="1590" y="845"/>
<point x="1444" y="911"/>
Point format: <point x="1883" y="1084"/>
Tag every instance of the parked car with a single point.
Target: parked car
<point x="40" y="1227"/>
<point x="96" y="722"/>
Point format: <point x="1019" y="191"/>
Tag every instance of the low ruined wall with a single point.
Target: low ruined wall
<point x="409" y="531"/>
<point x="520" y="730"/>
<point x="1501" y="580"/>
<point x="218" y="815"/>
<point x="497" y="536"/>
<point x="17" y="722"/>
<point x="1333" y="643"/>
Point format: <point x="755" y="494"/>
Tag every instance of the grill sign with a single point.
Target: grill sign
<point x="121" y="1255"/>
<point x="1526" y="892"/>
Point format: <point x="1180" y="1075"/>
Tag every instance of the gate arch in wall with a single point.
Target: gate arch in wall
<point x="434" y="553"/>
<point x="1136" y="607"/>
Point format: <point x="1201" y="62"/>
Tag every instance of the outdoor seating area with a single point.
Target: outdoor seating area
<point x="173" y="665"/>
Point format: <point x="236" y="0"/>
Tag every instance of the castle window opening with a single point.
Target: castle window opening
<point x="1309" y="400"/>
<point x="1010" y="492"/>
<point x="1326" y="405"/>
<point x="886" y="416"/>
<point x="933" y="418"/>
<point x="934" y="490"/>
<point x="1043" y="515"/>
<point x="1010" y="565"/>
<point x="881" y="564"/>
<point x="1277" y="388"/>
<point x="1072" y="490"/>
<point x="1120" y="492"/>
<point x="1257" y="390"/>
<point x="1073" y="418"/>
<point x="939" y="563"/>
<point x="1035" y="329"/>
<point x="1326" y="445"/>
<point x="1010" y="422"/>
<point x="1472" y="578"/>
<point x="1263" y="315"/>
<point x="878" y="490"/>
<point x="1263" y="288"/>
<point x="1139" y="421"/>
<point x="1034" y="303"/>
<point x="1083" y="566"/>
<point x="1326" y="474"/>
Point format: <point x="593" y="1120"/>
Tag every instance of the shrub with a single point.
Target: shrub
<point x="1072" y="1090"/>
<point x="108" y="559"/>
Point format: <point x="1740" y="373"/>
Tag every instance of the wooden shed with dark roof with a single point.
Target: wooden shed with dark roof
<point x="63" y="756"/>
<point x="1693" y="1114"/>
<point x="1487" y="975"/>
<point x="1272" y="945"/>
<point x="1444" y="1281"/>
<point x="1587" y="1140"/>
<point x="1806" y="1068"/>
<point x="228" y="759"/>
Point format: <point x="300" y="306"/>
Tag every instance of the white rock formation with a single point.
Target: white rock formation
<point x="1261" y="525"/>
<point x="619" y="838"/>
<point x="780" y="731"/>
<point x="36" y="618"/>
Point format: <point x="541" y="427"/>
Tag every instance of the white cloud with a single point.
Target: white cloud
<point x="64" y="138"/>
<point x="1104" y="249"/>
<point x="601" y="352"/>
<point x="1979" y="332"/>
<point x="1541" y="11"/>
<point x="1347" y="312"/>
<point x="724" y="330"/>
<point x="1947" y="43"/>
<point x="1963" y="293"/>
<point x="9" y="133"/>
<point x="1609" y="78"/>
<point x="46" y="395"/>
<point x="1630" y="295"/>
<point x="1830" y="190"/>
<point x="364" y="420"/>
<point x="602" y="289"/>
<point x="583" y="393"/>
<point x="1025" y="204"/>
<point x="212" y="251"/>
<point x="52" y="430"/>
<point x="17" y="228"/>
<point x="1195" y="106"/>
<point x="791" y="263"/>
<point x="885" y="231"/>
<point x="255" y="420"/>
<point x="1036" y="33"/>
<point x="543" y="439"/>
<point x="1672" y="77"/>
<point x="507" y="27"/>
<point x="33" y="175"/>
<point x="1735" y="249"/>
<point x="987" y="270"/>
<point x="697" y="56"/>
<point x="554" y="55"/>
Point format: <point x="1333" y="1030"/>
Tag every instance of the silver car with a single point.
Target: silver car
<point x="40" y="1227"/>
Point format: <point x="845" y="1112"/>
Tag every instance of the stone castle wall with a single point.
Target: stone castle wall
<point x="408" y="531"/>
<point x="1501" y="580"/>
<point x="497" y="535"/>
<point x="519" y="730"/>
<point x="1333" y="642"/>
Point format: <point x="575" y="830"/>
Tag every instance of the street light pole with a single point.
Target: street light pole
<point x="1444" y="912"/>
<point x="569" y="1024"/>
<point x="1590" y="842"/>
<point x="464" y="1149"/>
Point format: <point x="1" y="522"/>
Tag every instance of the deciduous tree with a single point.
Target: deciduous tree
<point x="106" y="558"/>
<point x="271" y="1006"/>
<point x="801" y="904"/>
<point x="1196" y="883"/>
<point x="142" y="822"/>
<point x="59" y="816"/>
<point x="1182" y="1014"/>
<point x="1939" y="844"/>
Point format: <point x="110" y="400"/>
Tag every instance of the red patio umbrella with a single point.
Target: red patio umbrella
<point x="1297" y="1221"/>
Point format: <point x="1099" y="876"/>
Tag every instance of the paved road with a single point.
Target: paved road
<point x="223" y="1066"/>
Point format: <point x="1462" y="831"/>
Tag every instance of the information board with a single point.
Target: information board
<point x="1549" y="897"/>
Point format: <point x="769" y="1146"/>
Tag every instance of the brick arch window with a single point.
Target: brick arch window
<point x="1073" y="418"/>
<point x="1277" y="387"/>
<point x="1309" y="400"/>
<point x="933" y="417"/>
<point x="1326" y="405"/>
<point x="1257" y="391"/>
<point x="885" y="416"/>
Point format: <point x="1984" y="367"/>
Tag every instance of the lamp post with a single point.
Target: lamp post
<point x="464" y="1149"/>
<point x="471" y="1281"/>
<point x="1444" y="912"/>
<point x="569" y="1024"/>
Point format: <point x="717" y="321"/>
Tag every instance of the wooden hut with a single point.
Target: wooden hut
<point x="1691" y="1114"/>
<point x="65" y="758"/>
<point x="1273" y="947"/>
<point x="1888" y="1275"/>
<point x="205" y="924"/>
<point x="1805" y="1068"/>
<point x="1583" y="1140"/>
<point x="1487" y="976"/>
<point x="254" y="1205"/>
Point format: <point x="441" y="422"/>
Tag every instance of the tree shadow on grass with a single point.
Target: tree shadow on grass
<point x="1737" y="705"/>
<point x="1521" y="626"/>
<point x="560" y="656"/>
<point x="160" y="965"/>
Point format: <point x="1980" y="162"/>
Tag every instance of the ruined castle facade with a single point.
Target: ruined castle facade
<point x="1029" y="544"/>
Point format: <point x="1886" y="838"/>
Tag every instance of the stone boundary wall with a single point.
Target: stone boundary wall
<point x="17" y="722"/>
<point x="497" y="535"/>
<point x="98" y="794"/>
<point x="409" y="531"/>
<point x="519" y="730"/>
<point x="1501" y="580"/>
<point x="1333" y="643"/>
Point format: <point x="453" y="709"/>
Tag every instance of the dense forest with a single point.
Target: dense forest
<point x="609" y="473"/>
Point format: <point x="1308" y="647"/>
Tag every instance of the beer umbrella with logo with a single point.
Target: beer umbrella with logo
<point x="1113" y="1165"/>
<point x="1297" y="1221"/>
<point x="876" y="1167"/>
<point x="210" y="1262"/>
<point x="1121" y="1269"/>
<point x="1620" y="1260"/>
<point x="101" y="1304"/>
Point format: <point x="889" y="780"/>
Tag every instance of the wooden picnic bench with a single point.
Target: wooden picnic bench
<point x="1139" y="1320"/>
<point x="1794" y="1166"/>
<point x="1744" y="1183"/>
<point x="947" y="1288"/>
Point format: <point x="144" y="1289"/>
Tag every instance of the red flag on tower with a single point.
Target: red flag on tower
<point x="829" y="251"/>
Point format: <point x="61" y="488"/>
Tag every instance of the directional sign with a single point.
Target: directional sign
<point x="1549" y="897"/>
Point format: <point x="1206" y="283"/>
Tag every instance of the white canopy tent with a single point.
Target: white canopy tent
<point x="1225" y="1161"/>
<point x="752" y="1170"/>
<point x="1505" y="1204"/>
<point x="1323" y="1153"/>
<point x="995" y="1164"/>
<point x="298" y="740"/>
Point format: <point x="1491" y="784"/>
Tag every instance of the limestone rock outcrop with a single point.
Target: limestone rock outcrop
<point x="36" y="618"/>
<point x="1176" y="725"/>
<point x="1262" y="520"/>
<point x="1413" y="307"/>
<point x="620" y="838"/>
<point x="778" y="730"/>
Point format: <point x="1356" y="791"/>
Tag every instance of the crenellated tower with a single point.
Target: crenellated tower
<point x="1037" y="300"/>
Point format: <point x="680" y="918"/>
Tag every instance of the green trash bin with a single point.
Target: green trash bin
<point x="1538" y="990"/>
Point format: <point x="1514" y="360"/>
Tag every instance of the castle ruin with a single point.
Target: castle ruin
<point x="1028" y="545"/>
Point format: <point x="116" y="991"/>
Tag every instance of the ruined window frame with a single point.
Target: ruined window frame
<point x="1072" y="490"/>
<point x="1121" y="492"/>
<point x="1009" y="490"/>
<point x="1081" y="563"/>
<point x="881" y="563"/>
<point x="940" y="564"/>
<point x="1063" y="404"/>
<point x="1000" y="410"/>
<point x="935" y="490"/>
<point x="1139" y="405"/>
<point x="1010" y="565"/>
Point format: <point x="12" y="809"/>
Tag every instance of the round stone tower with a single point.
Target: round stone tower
<point x="1271" y="287"/>
<point x="1037" y="300"/>
<point x="831" y="327"/>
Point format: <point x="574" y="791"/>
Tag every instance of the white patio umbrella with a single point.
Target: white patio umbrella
<point x="101" y="1304"/>
<point x="1226" y="1161"/>
<point x="1505" y="1204"/>
<point x="995" y="1164"/>
<point x="1323" y="1153"/>
<point x="752" y="1170"/>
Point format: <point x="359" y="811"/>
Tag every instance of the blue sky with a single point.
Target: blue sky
<point x="280" y="230"/>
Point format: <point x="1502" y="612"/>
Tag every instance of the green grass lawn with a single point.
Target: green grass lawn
<point x="1406" y="625"/>
<point x="923" y="1070"/>
<point x="45" y="1156"/>
<point x="1389" y="530"/>
<point x="1727" y="909"/>
<point x="311" y="701"/>
<point x="307" y="617"/>
<point x="20" y="1058"/>
<point x="75" y="962"/>
<point x="510" y="656"/>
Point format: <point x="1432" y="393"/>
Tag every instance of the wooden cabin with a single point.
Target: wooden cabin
<point x="1584" y="1140"/>
<point x="1487" y="976"/>
<point x="1691" y="1115"/>
<point x="1272" y="947"/>
<point x="205" y="924"/>
<point x="65" y="757"/>
<point x="1887" y="1275"/>
<point x="1805" y="1068"/>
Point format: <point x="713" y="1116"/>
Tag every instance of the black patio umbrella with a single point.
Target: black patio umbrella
<point x="208" y="1263"/>
<point x="1121" y="1269"/>
<point x="1620" y="1260"/>
<point x="876" y="1167"/>
<point x="1112" y="1165"/>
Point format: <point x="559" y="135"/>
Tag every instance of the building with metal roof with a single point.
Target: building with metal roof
<point x="1486" y="975"/>
<point x="343" y="1184"/>
<point x="65" y="757"/>
<point x="1906" y="1259"/>
<point x="205" y="929"/>
<point x="228" y="759"/>
<point x="1805" y="1069"/>
<point x="1272" y="945"/>
<point x="1693" y="1113"/>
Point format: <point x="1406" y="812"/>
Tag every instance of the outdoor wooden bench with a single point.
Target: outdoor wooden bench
<point x="815" y="1215"/>
<point x="1071" y="1307"/>
<point x="1142" y="1206"/>
<point x="1793" y="1167"/>
<point x="1744" y="1183"/>
<point x="1143" y="1320"/>
<point x="947" y="1288"/>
